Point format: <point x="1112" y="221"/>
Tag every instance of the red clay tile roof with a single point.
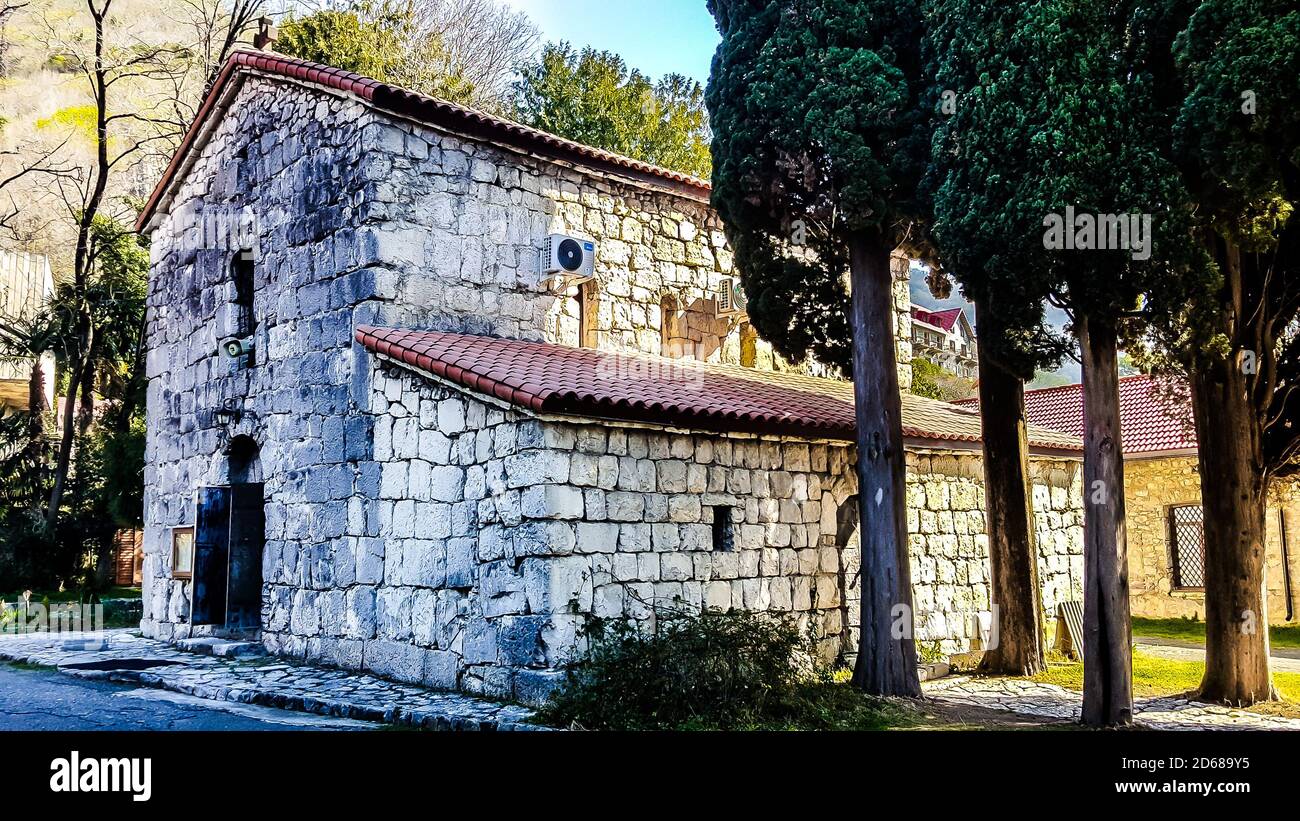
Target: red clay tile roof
<point x="430" y="110"/>
<point x="940" y="319"/>
<point x="1155" y="414"/>
<point x="550" y="378"/>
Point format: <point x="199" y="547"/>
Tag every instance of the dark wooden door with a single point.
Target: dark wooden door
<point x="211" y="555"/>
<point x="247" y="536"/>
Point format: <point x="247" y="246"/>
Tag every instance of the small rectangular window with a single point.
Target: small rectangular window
<point x="1187" y="546"/>
<point x="723" y="539"/>
<point x="588" y="315"/>
<point x="242" y="271"/>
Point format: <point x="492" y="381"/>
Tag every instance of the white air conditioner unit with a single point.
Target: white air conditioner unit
<point x="570" y="260"/>
<point x="730" y="298"/>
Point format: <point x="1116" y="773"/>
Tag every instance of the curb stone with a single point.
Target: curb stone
<point x="50" y="652"/>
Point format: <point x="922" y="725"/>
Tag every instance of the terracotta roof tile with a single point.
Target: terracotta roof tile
<point x="1155" y="414"/>
<point x="550" y="378"/>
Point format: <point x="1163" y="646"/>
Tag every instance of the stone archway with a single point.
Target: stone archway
<point x="243" y="461"/>
<point x="230" y="534"/>
<point x="850" y="581"/>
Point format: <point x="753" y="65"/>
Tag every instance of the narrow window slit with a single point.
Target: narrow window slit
<point x="723" y="538"/>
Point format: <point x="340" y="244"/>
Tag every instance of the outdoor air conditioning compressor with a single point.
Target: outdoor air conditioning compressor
<point x="570" y="260"/>
<point x="730" y="298"/>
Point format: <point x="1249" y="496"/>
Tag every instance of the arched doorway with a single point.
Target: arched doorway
<point x="847" y="543"/>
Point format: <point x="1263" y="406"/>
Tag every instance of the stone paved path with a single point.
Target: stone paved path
<point x="1284" y="660"/>
<point x="1053" y="703"/>
<point x="265" y="681"/>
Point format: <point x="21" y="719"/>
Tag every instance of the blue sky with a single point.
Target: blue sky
<point x="656" y="37"/>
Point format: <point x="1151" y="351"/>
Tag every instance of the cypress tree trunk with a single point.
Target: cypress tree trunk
<point x="1233" y="497"/>
<point x="86" y="409"/>
<point x="36" y="399"/>
<point x="1107" y="630"/>
<point x="36" y="408"/>
<point x="886" y="662"/>
<point x="1013" y="551"/>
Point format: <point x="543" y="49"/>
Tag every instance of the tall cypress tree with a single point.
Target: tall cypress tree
<point x="1225" y="75"/>
<point x="1047" y="138"/>
<point x="1014" y="339"/>
<point x="820" y="139"/>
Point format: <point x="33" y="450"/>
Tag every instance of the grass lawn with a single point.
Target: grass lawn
<point x="1192" y="630"/>
<point x="836" y="706"/>
<point x="71" y="595"/>
<point x="1153" y="676"/>
<point x="114" y="617"/>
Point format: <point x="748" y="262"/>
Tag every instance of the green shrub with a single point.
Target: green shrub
<point x="711" y="671"/>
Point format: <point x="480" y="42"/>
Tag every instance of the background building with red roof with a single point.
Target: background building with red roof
<point x="1162" y="498"/>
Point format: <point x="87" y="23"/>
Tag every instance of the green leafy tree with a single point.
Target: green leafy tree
<point x="592" y="97"/>
<point x="106" y="482"/>
<point x="1225" y="75"/>
<point x="1047" y="379"/>
<point x="382" y="40"/>
<point x="343" y="39"/>
<point x="820" y="136"/>
<point x="933" y="382"/>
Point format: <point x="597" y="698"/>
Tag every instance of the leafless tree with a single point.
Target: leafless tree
<point x="481" y="41"/>
<point x="218" y="26"/>
<point x="19" y="163"/>
<point x="7" y="9"/>
<point x="113" y="63"/>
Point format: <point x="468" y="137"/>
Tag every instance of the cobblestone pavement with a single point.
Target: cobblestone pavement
<point x="264" y="681"/>
<point x="1054" y="703"/>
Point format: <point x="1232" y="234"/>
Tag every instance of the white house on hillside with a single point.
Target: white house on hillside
<point x="945" y="338"/>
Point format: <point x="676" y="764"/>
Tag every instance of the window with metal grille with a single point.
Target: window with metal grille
<point x="1187" y="546"/>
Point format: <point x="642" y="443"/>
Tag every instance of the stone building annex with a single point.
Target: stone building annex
<point x="382" y="435"/>
<point x="1162" y="498"/>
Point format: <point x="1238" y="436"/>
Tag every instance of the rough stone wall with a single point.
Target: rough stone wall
<point x="900" y="267"/>
<point x="459" y="225"/>
<point x="950" y="550"/>
<point x="286" y="161"/>
<point x="1151" y="487"/>
<point x="493" y="536"/>
<point x="426" y="585"/>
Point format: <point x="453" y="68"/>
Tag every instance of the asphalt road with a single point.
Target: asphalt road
<point x="41" y="699"/>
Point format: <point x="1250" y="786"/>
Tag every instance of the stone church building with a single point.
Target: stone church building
<point x="381" y="436"/>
